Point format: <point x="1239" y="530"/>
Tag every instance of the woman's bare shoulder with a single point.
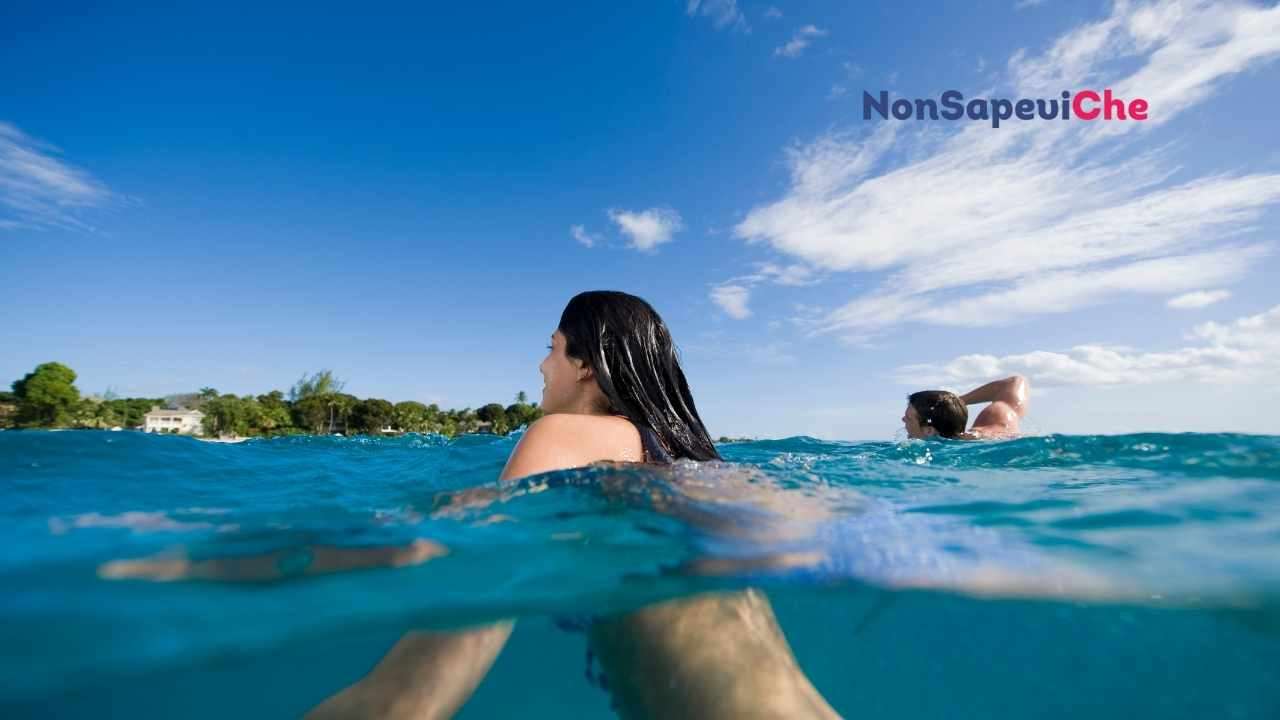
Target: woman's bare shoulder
<point x="565" y="440"/>
<point x="600" y="437"/>
<point x="573" y="424"/>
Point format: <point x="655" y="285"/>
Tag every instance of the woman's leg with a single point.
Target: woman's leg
<point x="716" y="655"/>
<point x="426" y="675"/>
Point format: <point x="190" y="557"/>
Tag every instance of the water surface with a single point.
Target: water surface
<point x="1115" y="576"/>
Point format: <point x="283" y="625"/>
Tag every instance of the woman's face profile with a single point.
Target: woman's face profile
<point x="559" y="376"/>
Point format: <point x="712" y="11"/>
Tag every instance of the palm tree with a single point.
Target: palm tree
<point x="322" y="383"/>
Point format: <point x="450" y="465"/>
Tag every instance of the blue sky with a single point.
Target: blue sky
<point x="232" y="196"/>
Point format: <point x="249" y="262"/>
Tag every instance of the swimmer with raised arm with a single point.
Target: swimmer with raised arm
<point x="945" y="414"/>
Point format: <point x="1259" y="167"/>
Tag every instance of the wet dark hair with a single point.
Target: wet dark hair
<point x="624" y="342"/>
<point x="941" y="410"/>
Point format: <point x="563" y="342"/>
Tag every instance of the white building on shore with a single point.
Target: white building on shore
<point x="184" y="422"/>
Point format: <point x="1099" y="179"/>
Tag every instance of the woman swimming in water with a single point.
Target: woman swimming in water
<point x="613" y="391"/>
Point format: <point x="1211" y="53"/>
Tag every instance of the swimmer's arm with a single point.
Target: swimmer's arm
<point x="1013" y="391"/>
<point x="432" y="674"/>
<point x="1009" y="400"/>
<point x="265" y="567"/>
<point x="547" y="445"/>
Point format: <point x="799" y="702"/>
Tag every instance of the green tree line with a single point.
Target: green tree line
<point x="47" y="398"/>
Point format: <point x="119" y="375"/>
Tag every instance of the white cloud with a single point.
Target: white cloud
<point x="784" y="274"/>
<point x="772" y="13"/>
<point x="1185" y="47"/>
<point x="1198" y="299"/>
<point x="1246" y="350"/>
<point x="39" y="190"/>
<point x="799" y="41"/>
<point x="1024" y="4"/>
<point x="1065" y="213"/>
<point x="580" y="234"/>
<point x="1058" y="292"/>
<point x="647" y="229"/>
<point x="732" y="294"/>
<point x="733" y="300"/>
<point x="723" y="13"/>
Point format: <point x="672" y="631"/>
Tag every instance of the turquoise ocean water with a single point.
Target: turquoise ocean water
<point x="1053" y="577"/>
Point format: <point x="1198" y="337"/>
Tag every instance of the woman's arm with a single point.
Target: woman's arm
<point x="276" y="565"/>
<point x="547" y="445"/>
